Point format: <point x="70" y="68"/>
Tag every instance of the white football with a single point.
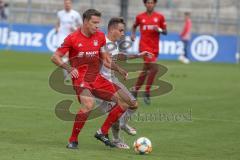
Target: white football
<point x="142" y="145"/>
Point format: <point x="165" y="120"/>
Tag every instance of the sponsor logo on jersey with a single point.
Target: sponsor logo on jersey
<point x="88" y="54"/>
<point x="80" y="54"/>
<point x="149" y="27"/>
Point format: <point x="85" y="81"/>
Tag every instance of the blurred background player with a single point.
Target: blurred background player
<point x="68" y="21"/>
<point x="116" y="29"/>
<point x="3" y="11"/>
<point x="186" y="37"/>
<point x="152" y="24"/>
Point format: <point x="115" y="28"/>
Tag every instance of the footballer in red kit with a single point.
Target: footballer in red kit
<point x="149" y="36"/>
<point x="87" y="53"/>
<point x="84" y="51"/>
<point x="151" y="25"/>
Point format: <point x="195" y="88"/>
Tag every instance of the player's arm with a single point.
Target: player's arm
<point x="134" y="29"/>
<point x="164" y="31"/>
<point x="161" y="31"/>
<point x="123" y="56"/>
<point x="107" y="62"/>
<point x="57" y="60"/>
<point x="133" y="35"/>
<point x="162" y="27"/>
<point x="58" y="22"/>
<point x="62" y="51"/>
<point x="57" y="25"/>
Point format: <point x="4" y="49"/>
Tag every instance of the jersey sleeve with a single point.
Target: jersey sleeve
<point x="137" y="21"/>
<point x="103" y="43"/>
<point x="65" y="46"/>
<point x="163" y="23"/>
<point x="103" y="47"/>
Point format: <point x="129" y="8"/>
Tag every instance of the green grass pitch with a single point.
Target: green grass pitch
<point x="29" y="129"/>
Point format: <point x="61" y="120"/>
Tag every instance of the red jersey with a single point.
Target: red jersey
<point x="84" y="54"/>
<point x="186" y="32"/>
<point x="149" y="37"/>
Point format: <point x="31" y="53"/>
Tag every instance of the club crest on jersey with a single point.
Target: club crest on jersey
<point x="82" y="85"/>
<point x="95" y="43"/>
<point x="155" y="20"/>
<point x="143" y="21"/>
<point x="80" y="45"/>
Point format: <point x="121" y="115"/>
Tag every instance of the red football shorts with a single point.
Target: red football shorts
<point x="151" y="59"/>
<point x="100" y="88"/>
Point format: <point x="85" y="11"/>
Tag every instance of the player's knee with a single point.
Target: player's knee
<point x="123" y="105"/>
<point x="129" y="103"/>
<point x="155" y="67"/>
<point x="115" y="99"/>
<point x="133" y="108"/>
<point x="88" y="105"/>
<point x="153" y="71"/>
<point x="134" y="105"/>
<point x="144" y="73"/>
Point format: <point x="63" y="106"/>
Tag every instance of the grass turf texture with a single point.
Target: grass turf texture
<point x="30" y="130"/>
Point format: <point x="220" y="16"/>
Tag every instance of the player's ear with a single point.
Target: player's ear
<point x="85" y="21"/>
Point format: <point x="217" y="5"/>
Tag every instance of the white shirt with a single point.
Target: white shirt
<point x="112" y="49"/>
<point x="68" y="20"/>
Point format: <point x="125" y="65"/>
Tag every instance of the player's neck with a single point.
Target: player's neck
<point x="67" y="10"/>
<point x="85" y="32"/>
<point x="111" y="38"/>
<point x="149" y="12"/>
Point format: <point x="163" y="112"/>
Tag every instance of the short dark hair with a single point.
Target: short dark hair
<point x="145" y="1"/>
<point x="116" y="20"/>
<point x="187" y="13"/>
<point x="87" y="15"/>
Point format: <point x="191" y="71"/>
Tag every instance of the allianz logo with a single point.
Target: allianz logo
<point x="51" y="40"/>
<point x="204" y="48"/>
<point x="15" y="38"/>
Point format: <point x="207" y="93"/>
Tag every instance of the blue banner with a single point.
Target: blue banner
<point x="22" y="37"/>
<point x="203" y="48"/>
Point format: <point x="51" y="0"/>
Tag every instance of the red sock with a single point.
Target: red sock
<point x="79" y="122"/>
<point x="113" y="116"/>
<point x="140" y="80"/>
<point x="150" y="80"/>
